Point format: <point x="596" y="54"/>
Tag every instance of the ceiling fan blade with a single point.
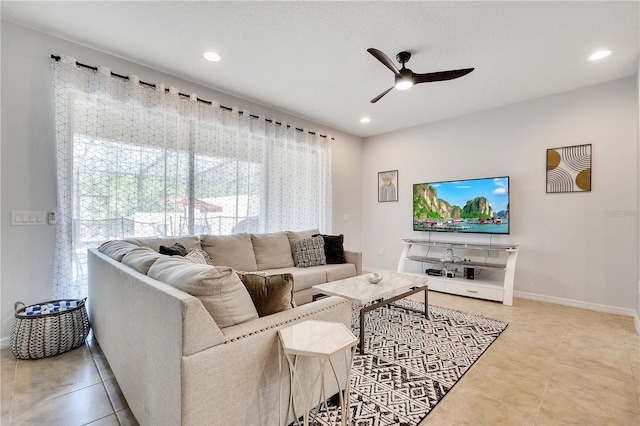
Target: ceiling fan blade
<point x="440" y="76"/>
<point x="377" y="98"/>
<point x="384" y="59"/>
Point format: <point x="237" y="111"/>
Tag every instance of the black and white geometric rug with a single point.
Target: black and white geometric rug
<point x="411" y="362"/>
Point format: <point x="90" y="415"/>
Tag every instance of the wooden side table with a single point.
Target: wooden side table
<point x="322" y="340"/>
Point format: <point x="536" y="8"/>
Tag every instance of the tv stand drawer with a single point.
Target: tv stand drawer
<point x="487" y="292"/>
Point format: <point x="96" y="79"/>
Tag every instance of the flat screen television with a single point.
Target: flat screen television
<point x="470" y="205"/>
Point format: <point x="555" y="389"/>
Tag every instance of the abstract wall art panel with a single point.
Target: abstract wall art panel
<point x="569" y="169"/>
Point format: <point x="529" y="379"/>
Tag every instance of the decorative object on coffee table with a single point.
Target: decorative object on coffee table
<point x="323" y="340"/>
<point x="374" y="277"/>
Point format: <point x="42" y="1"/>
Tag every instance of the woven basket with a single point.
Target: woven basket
<point x="39" y="335"/>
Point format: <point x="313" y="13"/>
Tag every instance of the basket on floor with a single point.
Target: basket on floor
<point x="49" y="328"/>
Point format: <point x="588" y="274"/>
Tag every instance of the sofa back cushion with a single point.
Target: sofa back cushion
<point x="188" y="242"/>
<point x="218" y="288"/>
<point x="141" y="259"/>
<point x="272" y="250"/>
<point x="234" y="251"/>
<point x="116" y="249"/>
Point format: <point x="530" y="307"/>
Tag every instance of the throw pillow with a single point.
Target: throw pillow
<point x="175" y="250"/>
<point x="270" y="293"/>
<point x="218" y="288"/>
<point x="197" y="255"/>
<point x="300" y="235"/>
<point x="334" y="248"/>
<point x="309" y="252"/>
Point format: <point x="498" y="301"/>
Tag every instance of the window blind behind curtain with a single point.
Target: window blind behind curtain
<point x="140" y="161"/>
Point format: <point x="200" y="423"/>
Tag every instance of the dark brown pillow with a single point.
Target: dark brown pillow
<point x="175" y="250"/>
<point x="270" y="293"/>
<point x="333" y="248"/>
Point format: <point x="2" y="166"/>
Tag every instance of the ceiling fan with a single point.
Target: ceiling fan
<point x="405" y="78"/>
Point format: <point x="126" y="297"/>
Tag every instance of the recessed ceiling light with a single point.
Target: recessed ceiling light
<point x="365" y="120"/>
<point x="599" y="55"/>
<point x="212" y="56"/>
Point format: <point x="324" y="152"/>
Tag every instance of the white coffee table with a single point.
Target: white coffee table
<point x="394" y="286"/>
<point x="323" y="340"/>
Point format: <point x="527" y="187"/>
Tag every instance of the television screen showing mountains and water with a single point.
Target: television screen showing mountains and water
<point x="470" y="205"/>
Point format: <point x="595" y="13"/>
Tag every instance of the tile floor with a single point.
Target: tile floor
<point x="553" y="365"/>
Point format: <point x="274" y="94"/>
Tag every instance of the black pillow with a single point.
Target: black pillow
<point x="333" y="248"/>
<point x="175" y="250"/>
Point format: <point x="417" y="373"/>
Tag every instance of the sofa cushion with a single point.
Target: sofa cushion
<point x="234" y="251"/>
<point x="309" y="252"/>
<point x="116" y="249"/>
<point x="272" y="250"/>
<point x="176" y="249"/>
<point x="197" y="255"/>
<point x="334" y="248"/>
<point x="270" y="293"/>
<point x="141" y="259"/>
<point x="340" y="271"/>
<point x="188" y="242"/>
<point x="303" y="278"/>
<point x="300" y="235"/>
<point x="218" y="288"/>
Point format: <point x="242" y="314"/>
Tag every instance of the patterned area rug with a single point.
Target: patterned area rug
<point x="411" y="362"/>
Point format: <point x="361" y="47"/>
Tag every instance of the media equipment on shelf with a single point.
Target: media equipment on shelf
<point x="466" y="206"/>
<point x="469" y="273"/>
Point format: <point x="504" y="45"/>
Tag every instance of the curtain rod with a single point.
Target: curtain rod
<point x="144" y="83"/>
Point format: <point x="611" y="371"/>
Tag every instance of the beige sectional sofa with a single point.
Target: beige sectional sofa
<point x="185" y="341"/>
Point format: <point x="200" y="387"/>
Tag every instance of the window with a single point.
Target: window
<point x="138" y="161"/>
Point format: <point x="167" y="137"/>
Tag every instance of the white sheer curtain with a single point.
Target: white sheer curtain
<point x="137" y="160"/>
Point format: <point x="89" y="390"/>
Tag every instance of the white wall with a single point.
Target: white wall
<point x="638" y="206"/>
<point x="572" y="246"/>
<point x="28" y="152"/>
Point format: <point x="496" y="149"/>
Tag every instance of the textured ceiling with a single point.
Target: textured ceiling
<point x="309" y="58"/>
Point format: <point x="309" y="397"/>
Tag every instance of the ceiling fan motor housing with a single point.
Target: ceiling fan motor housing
<point x="405" y="74"/>
<point x="403" y="57"/>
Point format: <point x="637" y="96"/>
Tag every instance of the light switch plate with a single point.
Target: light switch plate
<point x="28" y="218"/>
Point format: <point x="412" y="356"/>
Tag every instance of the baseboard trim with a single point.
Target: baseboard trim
<point x="4" y="343"/>
<point x="578" y="304"/>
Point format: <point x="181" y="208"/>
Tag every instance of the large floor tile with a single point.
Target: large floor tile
<point x="563" y="406"/>
<point x="516" y="389"/>
<point x="48" y="378"/>
<point x="596" y="387"/>
<point x="468" y="407"/>
<point x="75" y="408"/>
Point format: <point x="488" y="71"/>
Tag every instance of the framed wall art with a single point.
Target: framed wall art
<point x="388" y="186"/>
<point x="569" y="169"/>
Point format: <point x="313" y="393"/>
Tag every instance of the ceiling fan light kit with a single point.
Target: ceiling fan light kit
<point x="405" y="78"/>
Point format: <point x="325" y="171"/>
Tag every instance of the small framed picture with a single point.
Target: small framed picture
<point x="388" y="186"/>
